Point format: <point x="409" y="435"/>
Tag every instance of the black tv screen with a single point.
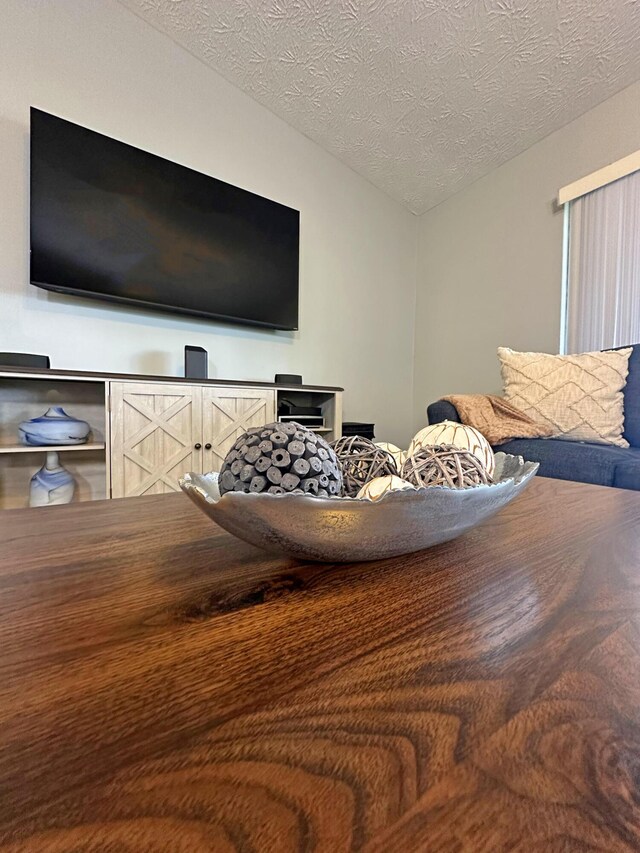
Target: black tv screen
<point x="109" y="221"/>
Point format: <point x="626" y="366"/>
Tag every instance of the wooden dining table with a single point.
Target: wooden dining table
<point x="167" y="687"/>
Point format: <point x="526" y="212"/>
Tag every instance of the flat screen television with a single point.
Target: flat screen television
<point x="112" y="222"/>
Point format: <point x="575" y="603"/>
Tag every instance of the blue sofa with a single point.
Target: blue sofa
<point x="601" y="464"/>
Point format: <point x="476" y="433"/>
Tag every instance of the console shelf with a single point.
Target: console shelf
<point x="146" y="431"/>
<point x="59" y="448"/>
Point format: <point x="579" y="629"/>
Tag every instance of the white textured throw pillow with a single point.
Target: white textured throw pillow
<point x="578" y="396"/>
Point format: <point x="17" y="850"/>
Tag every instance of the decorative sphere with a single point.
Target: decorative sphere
<point x="445" y="466"/>
<point x="376" y="489"/>
<point x="361" y="461"/>
<point x="458" y="435"/>
<point x="278" y="458"/>
<point x="398" y="455"/>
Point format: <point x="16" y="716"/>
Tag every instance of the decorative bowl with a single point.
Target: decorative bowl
<point x="353" y="529"/>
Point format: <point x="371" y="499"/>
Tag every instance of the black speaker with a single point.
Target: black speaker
<point x="288" y="379"/>
<point x="196" y="363"/>
<point x="24" y="359"/>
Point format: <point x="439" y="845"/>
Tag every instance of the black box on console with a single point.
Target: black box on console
<point x="196" y="363"/>
<point x="24" y="359"/>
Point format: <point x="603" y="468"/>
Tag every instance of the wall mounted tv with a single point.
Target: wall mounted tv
<point x="109" y="221"/>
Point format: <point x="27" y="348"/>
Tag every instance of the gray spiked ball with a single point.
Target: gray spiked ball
<point x="279" y="458"/>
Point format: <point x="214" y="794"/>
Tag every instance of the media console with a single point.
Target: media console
<point x="147" y="431"/>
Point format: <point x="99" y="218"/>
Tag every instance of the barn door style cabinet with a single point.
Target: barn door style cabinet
<point x="227" y="413"/>
<point x="146" y="431"/>
<point x="155" y="436"/>
<point x="159" y="432"/>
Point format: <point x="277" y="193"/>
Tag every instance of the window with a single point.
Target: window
<point x="602" y="280"/>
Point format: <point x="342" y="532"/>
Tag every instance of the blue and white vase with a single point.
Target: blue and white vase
<point x="54" y="427"/>
<point x="52" y="484"/>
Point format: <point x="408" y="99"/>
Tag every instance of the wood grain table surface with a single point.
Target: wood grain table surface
<point x="165" y="687"/>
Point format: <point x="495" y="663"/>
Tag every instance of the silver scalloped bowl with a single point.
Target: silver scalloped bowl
<point x="352" y="529"/>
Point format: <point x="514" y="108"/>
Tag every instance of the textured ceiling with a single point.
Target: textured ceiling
<point x="422" y="97"/>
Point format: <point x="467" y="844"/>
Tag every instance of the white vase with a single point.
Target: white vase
<point x="54" y="427"/>
<point x="52" y="484"/>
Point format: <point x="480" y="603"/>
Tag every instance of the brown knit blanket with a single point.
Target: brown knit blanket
<point x="496" y="419"/>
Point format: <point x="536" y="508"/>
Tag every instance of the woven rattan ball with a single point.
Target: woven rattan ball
<point x="459" y="435"/>
<point x="445" y="465"/>
<point x="398" y="455"/>
<point x="378" y="488"/>
<point x="281" y="457"/>
<point x="361" y="461"/>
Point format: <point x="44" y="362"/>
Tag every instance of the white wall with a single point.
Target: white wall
<point x="490" y="257"/>
<point x="98" y="65"/>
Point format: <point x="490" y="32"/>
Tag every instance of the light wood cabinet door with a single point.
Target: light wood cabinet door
<point x="154" y="432"/>
<point x="227" y="413"/>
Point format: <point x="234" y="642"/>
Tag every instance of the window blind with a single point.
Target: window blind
<point x="603" y="288"/>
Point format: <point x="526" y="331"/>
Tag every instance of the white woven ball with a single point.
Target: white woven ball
<point x="380" y="486"/>
<point x="399" y="455"/>
<point x="459" y="435"/>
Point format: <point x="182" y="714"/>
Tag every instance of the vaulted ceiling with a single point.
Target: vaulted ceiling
<point x="422" y="97"/>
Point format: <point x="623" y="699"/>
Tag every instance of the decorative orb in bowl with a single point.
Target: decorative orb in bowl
<point x="337" y="529"/>
<point x="458" y="435"/>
